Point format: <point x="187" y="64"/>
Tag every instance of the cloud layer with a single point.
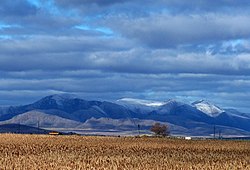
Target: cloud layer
<point x="106" y="49"/>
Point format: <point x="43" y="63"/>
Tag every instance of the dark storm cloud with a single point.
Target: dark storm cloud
<point x="118" y="56"/>
<point x="16" y="8"/>
<point x="160" y="28"/>
<point x="205" y="5"/>
<point x="107" y="49"/>
<point x="61" y="45"/>
<point x="126" y="82"/>
<point x="172" y="4"/>
<point x="77" y="3"/>
<point x="159" y="87"/>
<point x="171" y="31"/>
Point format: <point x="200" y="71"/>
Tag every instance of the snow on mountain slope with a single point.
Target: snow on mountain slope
<point x="207" y="108"/>
<point x="138" y="105"/>
<point x="62" y="111"/>
<point x="141" y="102"/>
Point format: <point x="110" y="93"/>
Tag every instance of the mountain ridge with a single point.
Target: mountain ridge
<point x="58" y="110"/>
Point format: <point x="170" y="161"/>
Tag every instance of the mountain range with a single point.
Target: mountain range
<point x="126" y="116"/>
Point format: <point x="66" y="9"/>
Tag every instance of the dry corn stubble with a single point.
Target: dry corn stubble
<point x="78" y="152"/>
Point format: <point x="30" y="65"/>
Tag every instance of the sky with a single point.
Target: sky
<point x="110" y="49"/>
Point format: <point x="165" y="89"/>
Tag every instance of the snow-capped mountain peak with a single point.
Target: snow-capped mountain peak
<point x="139" y="105"/>
<point x="148" y="103"/>
<point x="208" y="108"/>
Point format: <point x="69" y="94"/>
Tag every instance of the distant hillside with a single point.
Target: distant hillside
<point x="70" y="113"/>
<point x="43" y="120"/>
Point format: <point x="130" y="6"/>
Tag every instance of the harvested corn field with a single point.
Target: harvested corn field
<point x="78" y="152"/>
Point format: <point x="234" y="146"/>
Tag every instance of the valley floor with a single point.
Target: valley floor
<point x="87" y="152"/>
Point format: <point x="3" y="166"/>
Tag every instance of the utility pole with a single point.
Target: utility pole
<point x="38" y="124"/>
<point x="220" y="137"/>
<point x="139" y="129"/>
<point x="214" y="131"/>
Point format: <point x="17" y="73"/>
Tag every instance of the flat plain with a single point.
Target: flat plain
<point x="94" y="152"/>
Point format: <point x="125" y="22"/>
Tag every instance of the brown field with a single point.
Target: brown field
<point x="77" y="152"/>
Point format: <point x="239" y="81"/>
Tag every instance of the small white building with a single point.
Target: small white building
<point x="188" y="138"/>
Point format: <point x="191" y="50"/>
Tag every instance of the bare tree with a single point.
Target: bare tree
<point x="160" y="129"/>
